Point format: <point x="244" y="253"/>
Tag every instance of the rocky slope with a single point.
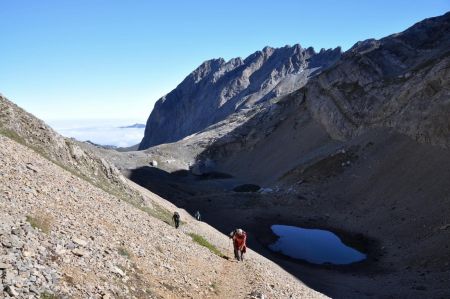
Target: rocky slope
<point x="63" y="237"/>
<point x="25" y="128"/>
<point x="218" y="88"/>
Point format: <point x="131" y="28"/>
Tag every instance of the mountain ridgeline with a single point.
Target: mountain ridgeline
<point x="218" y="88"/>
<point x="395" y="82"/>
<point x="400" y="84"/>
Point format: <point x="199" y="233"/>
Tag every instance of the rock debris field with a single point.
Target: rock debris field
<point x="61" y="237"/>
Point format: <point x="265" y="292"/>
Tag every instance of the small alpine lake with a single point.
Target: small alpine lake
<point x="315" y="246"/>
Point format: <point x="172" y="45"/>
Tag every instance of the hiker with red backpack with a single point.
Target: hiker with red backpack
<point x="239" y="243"/>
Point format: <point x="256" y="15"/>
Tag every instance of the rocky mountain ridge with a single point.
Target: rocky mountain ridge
<point x="401" y="82"/>
<point x="218" y="88"/>
<point x="366" y="85"/>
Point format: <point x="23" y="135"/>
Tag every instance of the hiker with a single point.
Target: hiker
<point x="176" y="219"/>
<point x="239" y="238"/>
<point x="197" y="215"/>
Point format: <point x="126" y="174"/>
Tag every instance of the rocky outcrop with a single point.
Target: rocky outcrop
<point x="401" y="81"/>
<point x="218" y="88"/>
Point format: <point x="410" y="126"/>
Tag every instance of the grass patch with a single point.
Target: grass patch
<point x="41" y="222"/>
<point x="11" y="135"/>
<point x="47" y="295"/>
<point x="69" y="279"/>
<point x="157" y="211"/>
<point x="124" y="252"/>
<point x="215" y="288"/>
<point x="169" y="287"/>
<point x="203" y="242"/>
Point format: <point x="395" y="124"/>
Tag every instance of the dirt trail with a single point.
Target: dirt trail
<point x="231" y="281"/>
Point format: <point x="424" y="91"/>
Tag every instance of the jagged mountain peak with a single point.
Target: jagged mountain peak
<point x="218" y="88"/>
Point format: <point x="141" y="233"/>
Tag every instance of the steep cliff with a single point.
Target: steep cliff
<point x="218" y="88"/>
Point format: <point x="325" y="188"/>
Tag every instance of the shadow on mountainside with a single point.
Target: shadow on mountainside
<point x="377" y="203"/>
<point x="226" y="210"/>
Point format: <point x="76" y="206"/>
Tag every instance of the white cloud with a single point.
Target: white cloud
<point x="104" y="133"/>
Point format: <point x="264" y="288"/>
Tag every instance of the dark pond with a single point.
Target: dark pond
<point x="313" y="245"/>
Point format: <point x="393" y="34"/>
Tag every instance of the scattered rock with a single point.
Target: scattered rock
<point x="444" y="227"/>
<point x="257" y="295"/>
<point x="265" y="190"/>
<point x="79" y="252"/>
<point x="118" y="271"/>
<point x="80" y="242"/>
<point x="32" y="168"/>
<point x="11" y="291"/>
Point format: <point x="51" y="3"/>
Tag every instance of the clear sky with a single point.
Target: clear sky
<point x="109" y="59"/>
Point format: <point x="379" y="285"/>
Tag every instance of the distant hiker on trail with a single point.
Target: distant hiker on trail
<point x="176" y="219"/>
<point x="198" y="216"/>
<point x="239" y="238"/>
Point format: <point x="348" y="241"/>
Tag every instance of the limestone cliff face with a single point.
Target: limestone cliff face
<point x="218" y="88"/>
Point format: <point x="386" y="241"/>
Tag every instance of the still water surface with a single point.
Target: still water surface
<point x="313" y="245"/>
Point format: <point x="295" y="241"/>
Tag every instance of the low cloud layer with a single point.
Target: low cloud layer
<point x="103" y="134"/>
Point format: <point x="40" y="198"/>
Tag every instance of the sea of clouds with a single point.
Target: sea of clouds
<point x="103" y="132"/>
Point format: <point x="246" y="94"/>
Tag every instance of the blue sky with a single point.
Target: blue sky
<point x="92" y="59"/>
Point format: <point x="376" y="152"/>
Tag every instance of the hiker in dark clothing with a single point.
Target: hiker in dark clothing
<point x="198" y="216"/>
<point x="239" y="243"/>
<point x="176" y="219"/>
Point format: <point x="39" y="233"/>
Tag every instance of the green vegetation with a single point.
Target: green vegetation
<point x="203" y="242"/>
<point x="124" y="252"/>
<point x="157" y="211"/>
<point x="11" y="135"/>
<point x="215" y="288"/>
<point x="46" y="295"/>
<point x="42" y="222"/>
<point x="169" y="287"/>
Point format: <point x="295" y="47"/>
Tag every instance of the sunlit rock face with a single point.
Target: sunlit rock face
<point x="218" y="88"/>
